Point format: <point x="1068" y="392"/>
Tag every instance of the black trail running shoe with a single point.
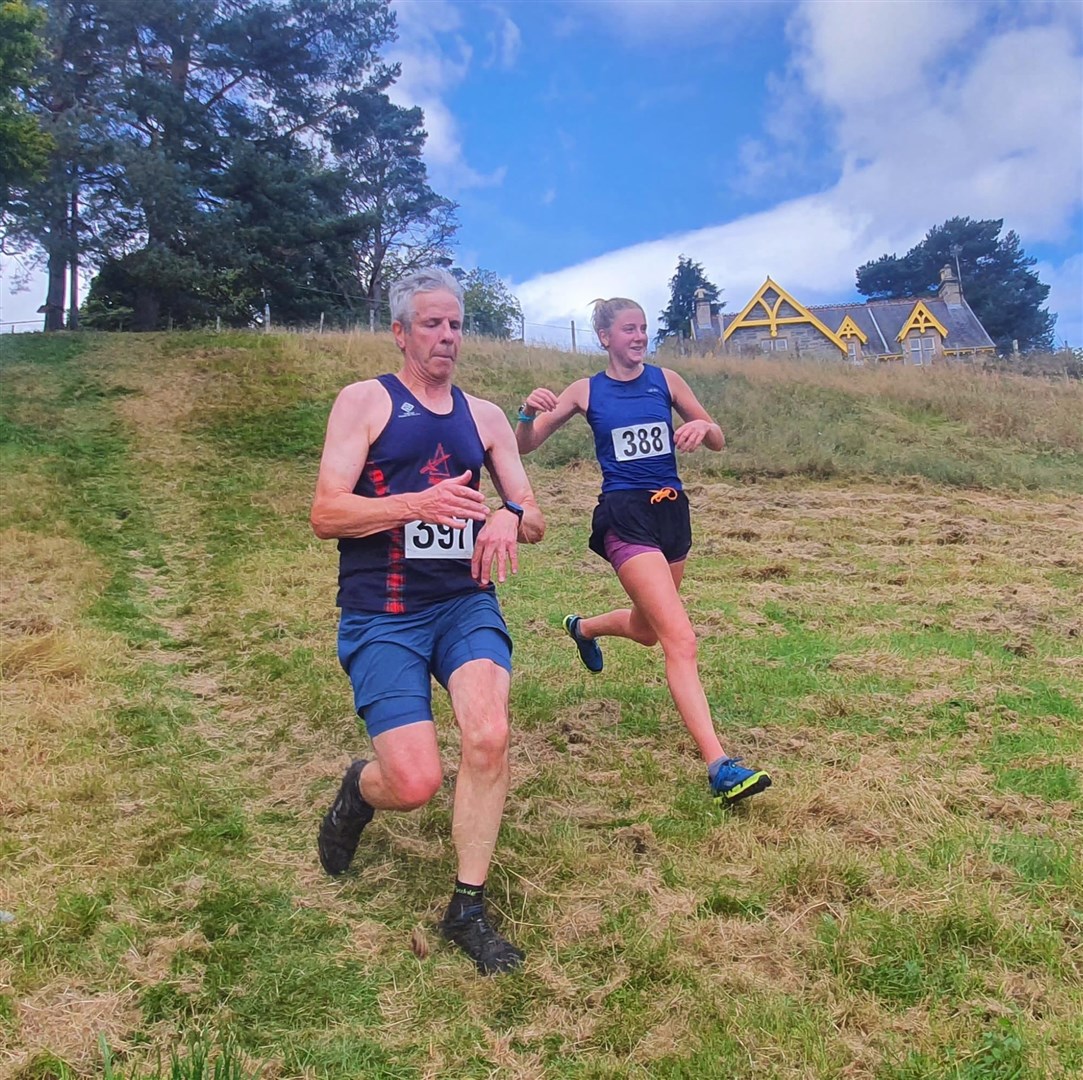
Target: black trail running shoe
<point x="491" y="952"/>
<point x="342" y="824"/>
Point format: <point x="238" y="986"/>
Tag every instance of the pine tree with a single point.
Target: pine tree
<point x="995" y="275"/>
<point x="676" y="319"/>
<point x="24" y="145"/>
<point x="51" y="220"/>
<point x="160" y="108"/>
<point x="406" y="225"/>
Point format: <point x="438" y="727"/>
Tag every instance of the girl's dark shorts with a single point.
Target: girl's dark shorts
<point x="665" y="524"/>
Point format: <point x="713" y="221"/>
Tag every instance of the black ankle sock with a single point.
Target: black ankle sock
<point x="466" y="899"/>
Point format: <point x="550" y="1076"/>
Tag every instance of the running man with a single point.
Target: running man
<point x="419" y="552"/>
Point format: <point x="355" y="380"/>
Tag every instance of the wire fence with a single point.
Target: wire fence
<point x="8" y="326"/>
<point x="566" y="337"/>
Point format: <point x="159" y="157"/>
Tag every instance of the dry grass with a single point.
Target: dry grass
<point x="160" y="788"/>
<point x="999" y="406"/>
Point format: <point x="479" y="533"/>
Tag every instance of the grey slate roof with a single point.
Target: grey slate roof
<point x="881" y="321"/>
<point x="832" y="315"/>
<point x="964" y="330"/>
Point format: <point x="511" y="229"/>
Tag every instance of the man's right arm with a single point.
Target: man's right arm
<point x="359" y="414"/>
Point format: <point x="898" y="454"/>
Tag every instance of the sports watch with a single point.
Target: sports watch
<point x="515" y="508"/>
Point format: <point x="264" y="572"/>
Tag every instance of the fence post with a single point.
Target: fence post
<point x="218" y="324"/>
<point x="372" y="319"/>
<point x="321" y="322"/>
<point x="266" y="318"/>
<point x="522" y="329"/>
<point x="573" y="335"/>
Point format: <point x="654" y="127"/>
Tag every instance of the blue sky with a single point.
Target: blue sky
<point x="591" y="143"/>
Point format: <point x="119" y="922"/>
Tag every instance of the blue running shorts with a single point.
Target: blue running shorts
<point x="390" y="659"/>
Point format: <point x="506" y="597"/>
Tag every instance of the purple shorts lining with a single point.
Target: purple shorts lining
<point x="619" y="551"/>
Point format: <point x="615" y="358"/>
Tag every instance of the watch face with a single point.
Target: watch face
<point x="515" y="508"/>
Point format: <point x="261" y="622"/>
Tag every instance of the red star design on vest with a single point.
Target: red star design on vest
<point x="436" y="469"/>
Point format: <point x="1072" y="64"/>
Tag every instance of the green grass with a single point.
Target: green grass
<point x="885" y="582"/>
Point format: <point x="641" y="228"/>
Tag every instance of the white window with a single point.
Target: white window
<point x="922" y="348"/>
<point x="780" y="344"/>
<point x="773" y="344"/>
<point x="853" y="351"/>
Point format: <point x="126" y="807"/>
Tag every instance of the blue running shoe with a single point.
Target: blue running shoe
<point x="734" y="782"/>
<point x="590" y="652"/>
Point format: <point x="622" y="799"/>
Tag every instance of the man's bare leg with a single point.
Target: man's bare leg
<point x="405" y="774"/>
<point x="479" y="697"/>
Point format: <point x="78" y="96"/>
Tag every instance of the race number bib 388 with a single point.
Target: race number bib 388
<point x="425" y="541"/>
<point x="640" y="441"/>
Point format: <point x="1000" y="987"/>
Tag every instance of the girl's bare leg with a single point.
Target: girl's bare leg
<point x="658" y="615"/>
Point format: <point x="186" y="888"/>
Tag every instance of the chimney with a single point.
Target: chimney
<point x="950" y="290"/>
<point x="703" y="309"/>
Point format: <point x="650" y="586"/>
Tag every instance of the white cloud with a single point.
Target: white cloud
<point x="999" y="137"/>
<point x="922" y="129"/>
<point x="859" y="58"/>
<point x="435" y="59"/>
<point x="985" y="116"/>
<point x="811" y="245"/>
<point x="549" y="196"/>
<point x="505" y="40"/>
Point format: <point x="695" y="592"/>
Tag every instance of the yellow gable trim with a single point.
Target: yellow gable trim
<point x="768" y="314"/>
<point x="850" y="329"/>
<point x="921" y="319"/>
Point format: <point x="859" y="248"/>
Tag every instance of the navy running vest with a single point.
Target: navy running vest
<point x="633" y="431"/>
<point x="411" y="567"/>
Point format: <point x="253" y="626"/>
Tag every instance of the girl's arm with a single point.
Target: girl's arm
<point x="546" y="412"/>
<point x="698" y="428"/>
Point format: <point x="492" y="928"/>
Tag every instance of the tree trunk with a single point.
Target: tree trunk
<point x="73" y="305"/>
<point x="148" y="309"/>
<point x="56" y="241"/>
<point x="54" y="293"/>
<point x="56" y="244"/>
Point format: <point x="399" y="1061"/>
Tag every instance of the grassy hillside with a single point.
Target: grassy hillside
<point x="887" y="579"/>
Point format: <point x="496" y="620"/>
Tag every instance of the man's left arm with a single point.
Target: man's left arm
<point x="497" y="541"/>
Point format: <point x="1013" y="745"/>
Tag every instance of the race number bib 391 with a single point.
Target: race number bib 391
<point x="641" y="441"/>
<point x="425" y="541"/>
